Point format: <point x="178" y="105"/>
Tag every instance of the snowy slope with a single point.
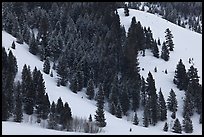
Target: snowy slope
<point x="83" y="107"/>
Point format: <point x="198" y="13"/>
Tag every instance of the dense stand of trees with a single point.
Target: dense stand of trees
<point x="89" y="49"/>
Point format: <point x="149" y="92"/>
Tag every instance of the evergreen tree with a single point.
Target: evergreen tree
<point x="45" y="107"/>
<point x="46" y="66"/>
<point x="13" y="45"/>
<point x="99" y="116"/>
<point x="162" y="106"/>
<point x="200" y="119"/>
<point x="59" y="110"/>
<point x="180" y="78"/>
<point x="169" y="41"/>
<point x="172" y="101"/>
<point x="146" y="116"/>
<point x="155" y="69"/>
<point x="90" y="118"/>
<point x="33" y="47"/>
<point x="188" y="107"/>
<point x="66" y="115"/>
<point x="80" y="80"/>
<point x="90" y="89"/>
<point x="118" y="112"/>
<point x="155" y="50"/>
<point x="51" y="74"/>
<point x="151" y="91"/>
<point x="135" y="121"/>
<point x="18" y="114"/>
<point x="165" y="127"/>
<point x="74" y="83"/>
<point x="126" y="10"/>
<point x="124" y="101"/>
<point x="187" y="124"/>
<point x="112" y="108"/>
<point x="158" y="42"/>
<point x="177" y="127"/>
<point x="52" y="121"/>
<point x="173" y="115"/>
<point x="5" y="113"/>
<point x="165" y="52"/>
<point x="143" y="92"/>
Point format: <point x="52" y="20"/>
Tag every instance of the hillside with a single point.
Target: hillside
<point x="188" y="44"/>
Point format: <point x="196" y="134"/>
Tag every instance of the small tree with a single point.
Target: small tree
<point x="118" y="111"/>
<point x="187" y="124"/>
<point x="13" y="45"/>
<point x="135" y="121"/>
<point x="173" y="115"/>
<point x="165" y="52"/>
<point x="169" y="41"/>
<point x="165" y="127"/>
<point x="177" y="127"/>
<point x="90" y="118"/>
<point x="126" y="10"/>
<point x="172" y="101"/>
<point x="46" y="66"/>
<point x="90" y="89"/>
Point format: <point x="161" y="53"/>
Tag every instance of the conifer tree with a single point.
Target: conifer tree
<point x="74" y="83"/>
<point x="200" y="119"/>
<point x="126" y="10"/>
<point x="173" y="115"/>
<point x="13" y="45"/>
<point x="90" y="89"/>
<point x="52" y="121"/>
<point x="118" y="112"/>
<point x="112" y="108"/>
<point x="33" y="47"/>
<point x="143" y="93"/>
<point x="46" y="66"/>
<point x="155" y="49"/>
<point x="100" y="116"/>
<point x="5" y="113"/>
<point x="180" y="77"/>
<point x="165" y="127"/>
<point x="165" y="52"/>
<point x="187" y="124"/>
<point x="146" y="117"/>
<point x="162" y="106"/>
<point x="90" y="118"/>
<point x="172" y="101"/>
<point x="169" y="41"/>
<point x="45" y="107"/>
<point x="59" y="110"/>
<point x="188" y="108"/>
<point x="66" y="115"/>
<point x="18" y="113"/>
<point x="135" y="121"/>
<point x="177" y="126"/>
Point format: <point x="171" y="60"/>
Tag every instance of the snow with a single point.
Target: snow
<point x="187" y="44"/>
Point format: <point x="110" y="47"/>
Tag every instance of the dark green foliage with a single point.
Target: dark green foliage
<point x="177" y="126"/>
<point x="13" y="45"/>
<point x="66" y="115"/>
<point x="187" y="124"/>
<point x="169" y="41"/>
<point x="100" y="116"/>
<point x="180" y="77"/>
<point x="74" y="83"/>
<point x="118" y="112"/>
<point x="18" y="109"/>
<point x="90" y="89"/>
<point x="165" y="127"/>
<point x="165" y="52"/>
<point x="162" y="106"/>
<point x="126" y="10"/>
<point x="135" y="120"/>
<point x="33" y="47"/>
<point x="52" y="119"/>
<point x="151" y="91"/>
<point x="46" y="66"/>
<point x="172" y="101"/>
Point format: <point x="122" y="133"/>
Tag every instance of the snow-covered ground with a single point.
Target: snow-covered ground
<point x="188" y="44"/>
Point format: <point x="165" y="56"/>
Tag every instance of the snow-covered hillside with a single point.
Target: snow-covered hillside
<point x="188" y="44"/>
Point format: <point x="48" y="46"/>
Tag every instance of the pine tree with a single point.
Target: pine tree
<point x="180" y="77"/>
<point x="90" y="118"/>
<point x="33" y="47"/>
<point x="165" y="52"/>
<point x="90" y="89"/>
<point x="135" y="121"/>
<point x="74" y="83"/>
<point x="46" y="66"/>
<point x="165" y="127"/>
<point x="13" y="45"/>
<point x="126" y="10"/>
<point x="143" y="92"/>
<point x="169" y="41"/>
<point x="155" y="69"/>
<point x="99" y="116"/>
<point x="158" y="42"/>
<point x="155" y="49"/>
<point x="177" y="126"/>
<point x="187" y="124"/>
<point x="52" y="121"/>
<point x="18" y="114"/>
<point x="80" y="80"/>
<point x="146" y="116"/>
<point x="173" y="115"/>
<point x="45" y="107"/>
<point x="151" y="91"/>
<point x="59" y="110"/>
<point x="5" y="113"/>
<point x="66" y="115"/>
<point x="162" y="106"/>
<point x="188" y="108"/>
<point x="124" y="101"/>
<point x="172" y="101"/>
<point x="51" y="74"/>
<point x="118" y="112"/>
<point x="112" y="108"/>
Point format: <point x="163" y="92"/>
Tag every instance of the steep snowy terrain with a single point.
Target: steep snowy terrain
<point x="188" y="44"/>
